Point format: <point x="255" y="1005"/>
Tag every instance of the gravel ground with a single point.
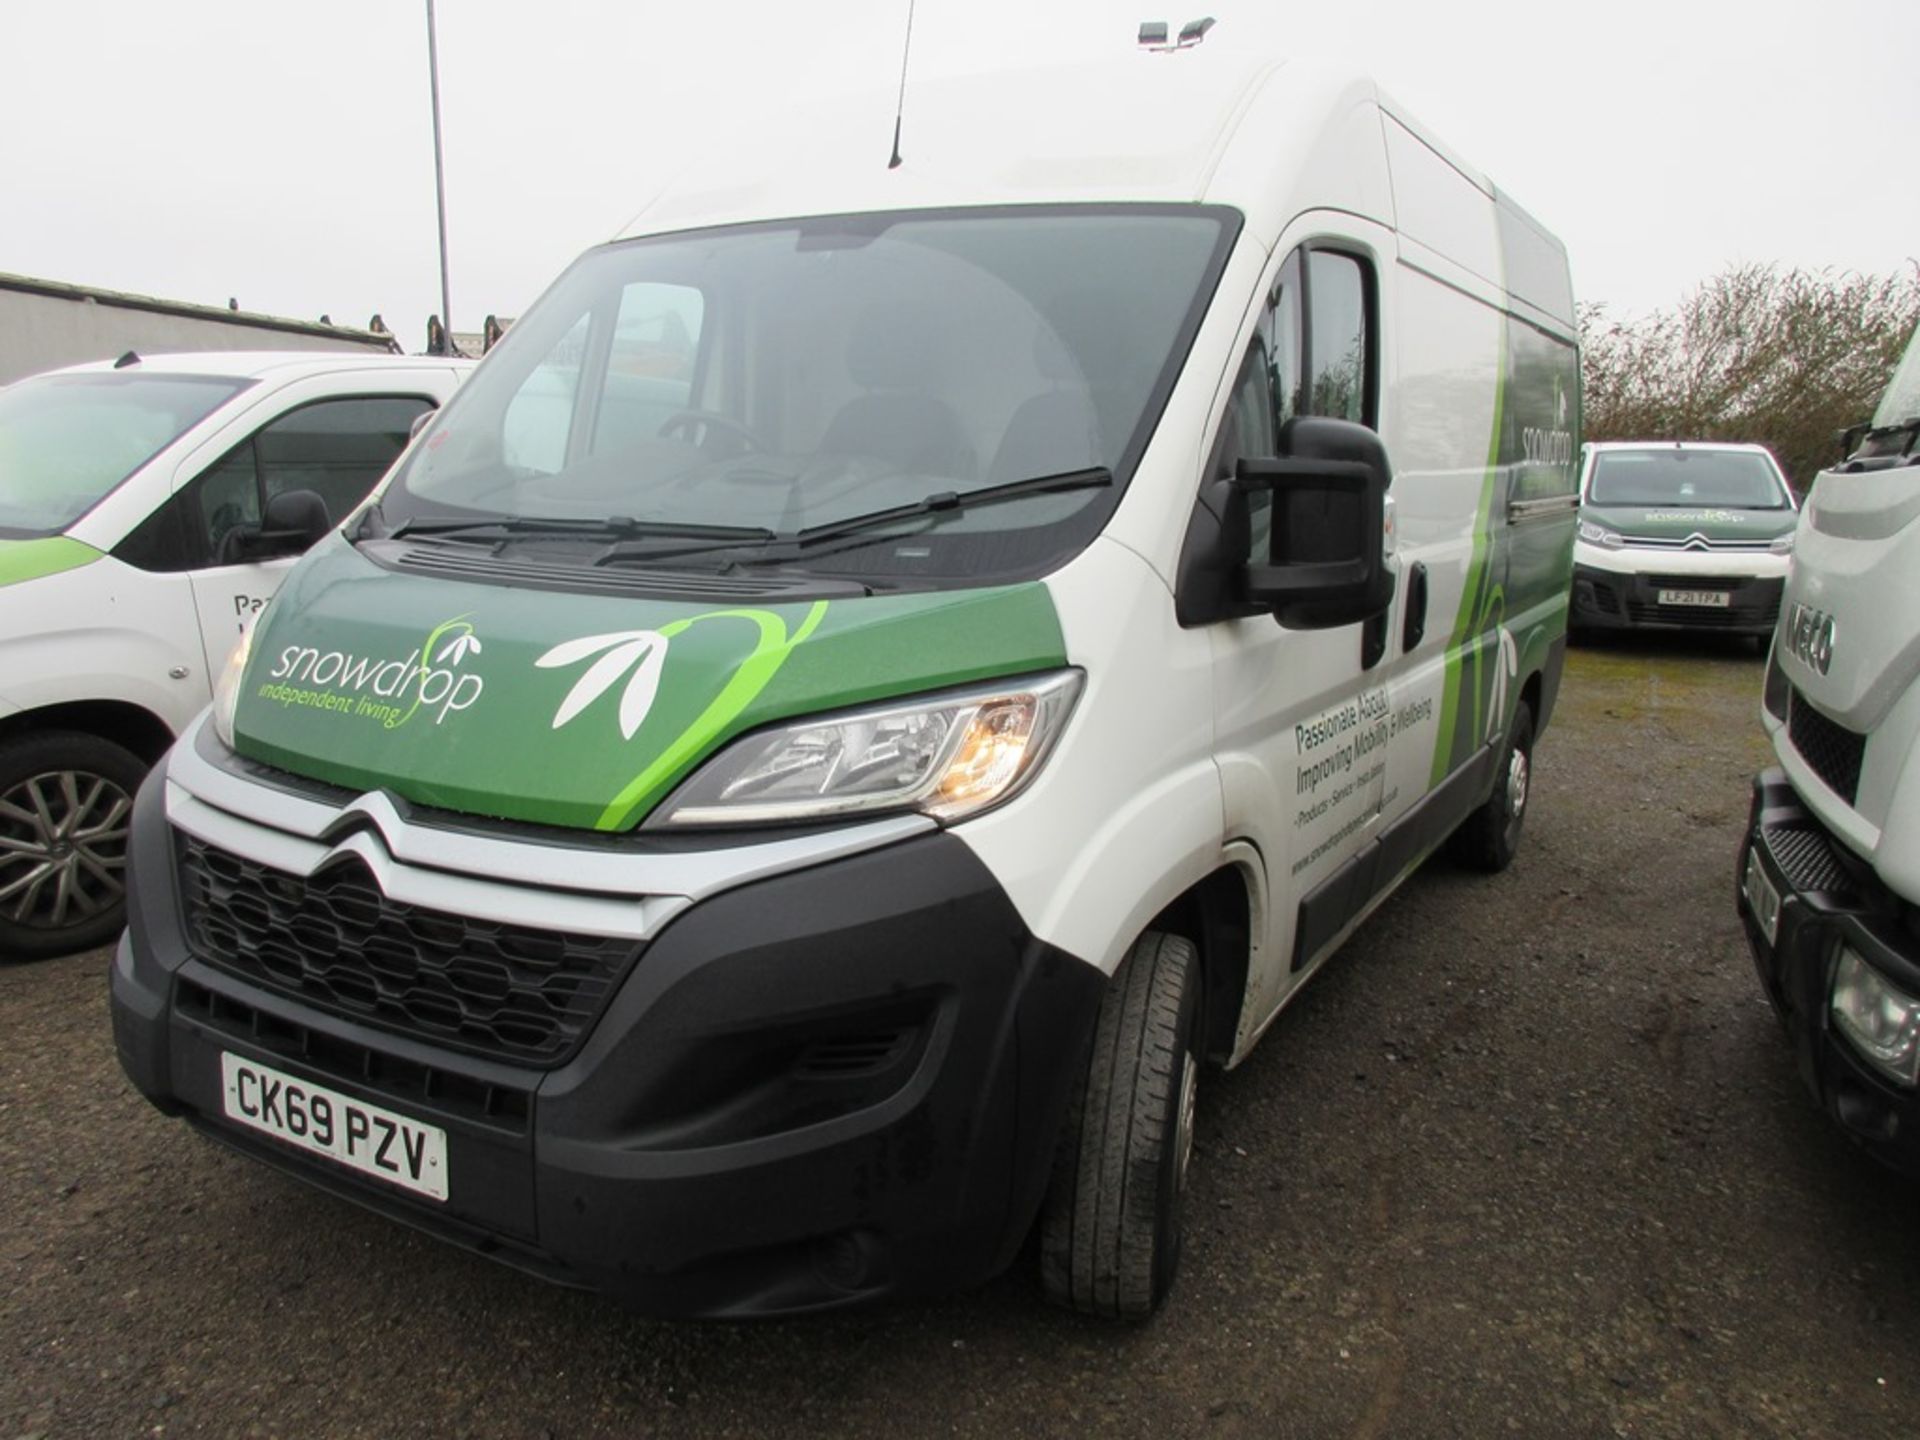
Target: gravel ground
<point x="1529" y="1158"/>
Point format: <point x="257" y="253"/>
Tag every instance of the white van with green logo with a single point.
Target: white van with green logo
<point x="1829" y="870"/>
<point x="1691" y="535"/>
<point x="149" y="507"/>
<point x="880" y="677"/>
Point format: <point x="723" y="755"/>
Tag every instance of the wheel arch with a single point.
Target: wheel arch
<point x="132" y="727"/>
<point x="1217" y="914"/>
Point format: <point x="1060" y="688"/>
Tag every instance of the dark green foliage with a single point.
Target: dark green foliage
<point x="1783" y="358"/>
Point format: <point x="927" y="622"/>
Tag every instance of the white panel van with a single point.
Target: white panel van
<point x="883" y="675"/>
<point x="148" y="508"/>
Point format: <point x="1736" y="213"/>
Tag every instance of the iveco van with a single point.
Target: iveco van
<point x="1829" y="872"/>
<point x="148" y="507"/>
<point x="884" y="674"/>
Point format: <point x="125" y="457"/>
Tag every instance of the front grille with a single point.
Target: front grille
<point x="335" y="941"/>
<point x="1833" y="751"/>
<point x="1805" y="854"/>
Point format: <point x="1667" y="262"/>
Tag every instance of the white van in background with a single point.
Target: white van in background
<point x="883" y="673"/>
<point x="148" y="507"/>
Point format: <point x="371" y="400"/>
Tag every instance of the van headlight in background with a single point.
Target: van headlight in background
<point x="1881" y="1020"/>
<point x="226" y="690"/>
<point x="1782" y="544"/>
<point x="1594" y="533"/>
<point x="948" y="756"/>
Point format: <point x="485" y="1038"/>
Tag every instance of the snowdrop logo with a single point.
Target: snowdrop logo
<point x="387" y="690"/>
<point x="640" y="658"/>
<point x="643" y="652"/>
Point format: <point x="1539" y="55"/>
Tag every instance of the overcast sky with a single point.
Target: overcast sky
<point x="281" y="153"/>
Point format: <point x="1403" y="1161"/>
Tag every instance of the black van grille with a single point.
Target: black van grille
<point x="335" y="941"/>
<point x="1833" y="751"/>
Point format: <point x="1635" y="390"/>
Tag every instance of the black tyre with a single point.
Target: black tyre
<point x="1110" y="1230"/>
<point x="1489" y="838"/>
<point x="66" y="801"/>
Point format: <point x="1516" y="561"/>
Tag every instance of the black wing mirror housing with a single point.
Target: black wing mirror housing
<point x="1325" y="564"/>
<point x="292" y="521"/>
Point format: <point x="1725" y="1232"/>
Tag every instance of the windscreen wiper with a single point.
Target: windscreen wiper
<point x="943" y="503"/>
<point x="619" y="528"/>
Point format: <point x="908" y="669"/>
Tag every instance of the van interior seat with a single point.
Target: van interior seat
<point x="897" y="355"/>
<point x="1055" y="431"/>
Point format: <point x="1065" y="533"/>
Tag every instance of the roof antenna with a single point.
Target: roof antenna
<point x="900" y="106"/>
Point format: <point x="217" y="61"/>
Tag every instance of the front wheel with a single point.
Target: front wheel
<point x="1110" y="1230"/>
<point x="1489" y="838"/>
<point x="66" y="802"/>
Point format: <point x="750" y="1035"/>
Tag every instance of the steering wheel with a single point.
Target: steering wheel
<point x="702" y="425"/>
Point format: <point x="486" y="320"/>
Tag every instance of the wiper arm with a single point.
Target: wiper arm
<point x="952" y="501"/>
<point x="646" y="535"/>
<point x="616" y="527"/>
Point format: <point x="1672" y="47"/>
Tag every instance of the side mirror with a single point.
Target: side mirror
<point x="1325" y="564"/>
<point x="421" y="421"/>
<point x="293" y="521"/>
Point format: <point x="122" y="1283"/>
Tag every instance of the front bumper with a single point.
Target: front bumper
<point x="820" y="1088"/>
<point x="1825" y="895"/>
<point x="1621" y="600"/>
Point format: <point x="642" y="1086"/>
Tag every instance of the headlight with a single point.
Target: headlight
<point x="226" y="691"/>
<point x="1882" y="1021"/>
<point x="1782" y="544"/>
<point x="1594" y="533"/>
<point x="948" y="756"/>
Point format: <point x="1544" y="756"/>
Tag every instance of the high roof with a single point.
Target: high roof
<point x="1201" y="125"/>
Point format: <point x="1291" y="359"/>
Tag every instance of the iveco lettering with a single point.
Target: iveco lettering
<point x="884" y="677"/>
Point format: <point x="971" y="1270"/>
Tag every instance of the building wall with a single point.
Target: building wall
<point x="45" y="331"/>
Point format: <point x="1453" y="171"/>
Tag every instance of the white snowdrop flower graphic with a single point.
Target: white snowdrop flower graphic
<point x="458" y="648"/>
<point x="642" y="651"/>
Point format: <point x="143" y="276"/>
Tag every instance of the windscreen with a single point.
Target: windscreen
<point x="66" y="441"/>
<point x="1901" y="404"/>
<point x="772" y="380"/>
<point x="1689" y="479"/>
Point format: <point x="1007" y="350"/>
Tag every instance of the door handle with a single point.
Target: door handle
<point x="1414" y="626"/>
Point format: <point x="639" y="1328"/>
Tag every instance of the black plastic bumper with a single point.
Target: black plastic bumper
<point x="1826" y="896"/>
<point x="1611" y="600"/>
<point x="818" y="1089"/>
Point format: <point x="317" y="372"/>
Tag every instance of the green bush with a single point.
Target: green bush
<point x="1784" y="358"/>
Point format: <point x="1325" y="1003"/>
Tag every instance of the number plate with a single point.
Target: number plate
<point x="1762" y="899"/>
<point x="1712" y="599"/>
<point x="349" y="1132"/>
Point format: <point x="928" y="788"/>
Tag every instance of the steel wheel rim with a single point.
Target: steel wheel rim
<point x="63" y="849"/>
<point x="1517" y="783"/>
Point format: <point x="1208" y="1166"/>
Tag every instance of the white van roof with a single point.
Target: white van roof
<point x="1144" y="127"/>
<point x="1264" y="135"/>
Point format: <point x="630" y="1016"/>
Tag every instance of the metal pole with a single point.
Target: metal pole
<point x="439" y="179"/>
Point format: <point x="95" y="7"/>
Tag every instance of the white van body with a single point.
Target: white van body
<point x="112" y="626"/>
<point x="1830" y="867"/>
<point x="1205" y="802"/>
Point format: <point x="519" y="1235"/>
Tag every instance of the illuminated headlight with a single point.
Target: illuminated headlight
<point x="1882" y="1021"/>
<point x="226" y="691"/>
<point x="948" y="756"/>
<point x="1594" y="533"/>
<point x="1782" y="544"/>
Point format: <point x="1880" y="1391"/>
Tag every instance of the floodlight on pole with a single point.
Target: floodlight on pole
<point x="439" y="180"/>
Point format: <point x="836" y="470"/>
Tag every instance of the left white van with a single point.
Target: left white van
<point x="148" y="507"/>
